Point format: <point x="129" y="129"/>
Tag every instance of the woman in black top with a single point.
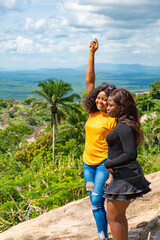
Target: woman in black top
<point x="127" y="180"/>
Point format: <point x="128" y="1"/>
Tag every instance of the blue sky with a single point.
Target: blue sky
<point x="56" y="33"/>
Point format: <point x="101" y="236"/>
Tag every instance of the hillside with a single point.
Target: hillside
<point x="16" y="112"/>
<point x="136" y="78"/>
<point x="74" y="221"/>
<point x="31" y="184"/>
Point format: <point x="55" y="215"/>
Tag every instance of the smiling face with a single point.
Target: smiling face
<point x="101" y="101"/>
<point x="113" y="109"/>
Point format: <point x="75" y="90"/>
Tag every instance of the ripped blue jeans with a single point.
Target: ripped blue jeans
<point x="95" y="177"/>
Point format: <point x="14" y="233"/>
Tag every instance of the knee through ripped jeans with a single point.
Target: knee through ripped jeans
<point x="95" y="177"/>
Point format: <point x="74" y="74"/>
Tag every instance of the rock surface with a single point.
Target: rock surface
<point x="74" y="221"/>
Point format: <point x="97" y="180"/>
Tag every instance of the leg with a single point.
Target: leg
<point x="116" y="211"/>
<point x="95" y="177"/>
<point x="125" y="223"/>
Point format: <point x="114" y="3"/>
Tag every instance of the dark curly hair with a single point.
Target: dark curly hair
<point x="129" y="113"/>
<point x="89" y="102"/>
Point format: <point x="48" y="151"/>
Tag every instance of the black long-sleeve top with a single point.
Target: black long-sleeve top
<point x="122" y="148"/>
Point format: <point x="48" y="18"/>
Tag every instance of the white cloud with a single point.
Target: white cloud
<point x="29" y="23"/>
<point x="49" y="27"/>
<point x="12" y="5"/>
<point x="121" y="13"/>
<point x="8" y="4"/>
<point x="115" y="2"/>
<point x="39" y="25"/>
<point x="24" y="45"/>
<point x="29" y="46"/>
<point x="126" y="30"/>
<point x="21" y="45"/>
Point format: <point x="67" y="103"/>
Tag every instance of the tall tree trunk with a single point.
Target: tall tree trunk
<point x="54" y="137"/>
<point x="54" y="111"/>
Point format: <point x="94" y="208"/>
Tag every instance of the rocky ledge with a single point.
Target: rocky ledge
<point x="74" y="221"/>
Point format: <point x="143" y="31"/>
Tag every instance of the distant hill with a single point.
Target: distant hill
<point x="134" y="77"/>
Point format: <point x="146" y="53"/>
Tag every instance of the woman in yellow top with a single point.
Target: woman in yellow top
<point x="97" y="127"/>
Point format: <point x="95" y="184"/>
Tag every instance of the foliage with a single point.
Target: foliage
<point x="30" y="184"/>
<point x="151" y="130"/>
<point x="29" y="100"/>
<point x="155" y="91"/>
<point x="42" y="148"/>
<point x="157" y="107"/>
<point x="144" y="103"/>
<point x="9" y="102"/>
<point x="149" y="101"/>
<point x="32" y="121"/>
<point x="149" y="162"/>
<point x="2" y="103"/>
<point x="56" y="95"/>
<point x="9" y="167"/>
<point x="22" y="114"/>
<point x="11" y="137"/>
<point x="73" y="127"/>
<point x="41" y="187"/>
<point x="149" y="150"/>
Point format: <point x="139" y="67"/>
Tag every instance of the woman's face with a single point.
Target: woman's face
<point x="113" y="109"/>
<point x="101" y="101"/>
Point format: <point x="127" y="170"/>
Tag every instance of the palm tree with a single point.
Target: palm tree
<point x="56" y="96"/>
<point x="74" y="124"/>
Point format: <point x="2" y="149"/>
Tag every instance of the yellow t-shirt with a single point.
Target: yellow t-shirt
<point x="97" y="127"/>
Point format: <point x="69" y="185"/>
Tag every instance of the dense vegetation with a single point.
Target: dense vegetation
<point x="30" y="183"/>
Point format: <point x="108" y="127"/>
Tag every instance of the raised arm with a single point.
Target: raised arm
<point x="90" y="73"/>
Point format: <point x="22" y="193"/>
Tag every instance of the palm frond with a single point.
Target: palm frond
<point x="71" y="98"/>
<point x="43" y="94"/>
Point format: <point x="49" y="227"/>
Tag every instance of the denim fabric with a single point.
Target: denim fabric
<point x="95" y="177"/>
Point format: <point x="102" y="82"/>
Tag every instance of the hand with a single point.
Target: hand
<point x="93" y="46"/>
<point x="108" y="180"/>
<point x="110" y="170"/>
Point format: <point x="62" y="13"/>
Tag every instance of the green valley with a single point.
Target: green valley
<point x="30" y="183"/>
<point x="136" y="78"/>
